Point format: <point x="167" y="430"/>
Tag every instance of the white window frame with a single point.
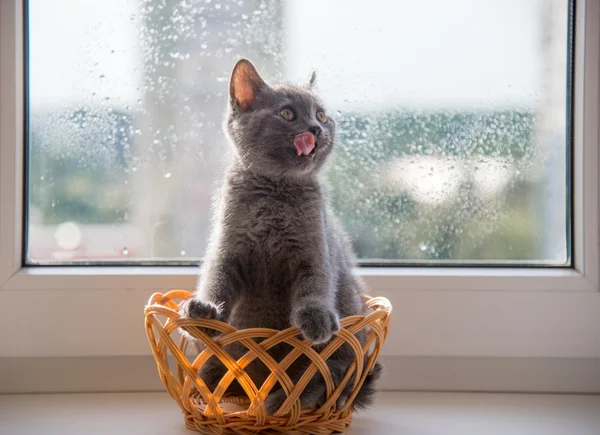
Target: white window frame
<point x="542" y="313"/>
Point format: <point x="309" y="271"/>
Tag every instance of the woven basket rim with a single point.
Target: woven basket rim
<point x="155" y="299"/>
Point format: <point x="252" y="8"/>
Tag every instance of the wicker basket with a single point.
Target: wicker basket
<point x="215" y="413"/>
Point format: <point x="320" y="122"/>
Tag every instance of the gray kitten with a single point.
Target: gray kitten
<point x="277" y="256"/>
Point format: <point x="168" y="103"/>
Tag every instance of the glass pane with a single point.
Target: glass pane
<point x="453" y="144"/>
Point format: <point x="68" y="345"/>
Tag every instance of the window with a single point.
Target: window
<point x="539" y="322"/>
<point x="455" y="144"/>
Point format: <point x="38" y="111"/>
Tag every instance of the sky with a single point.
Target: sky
<point x="427" y="53"/>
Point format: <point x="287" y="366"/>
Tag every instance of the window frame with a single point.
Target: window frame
<point x="515" y="309"/>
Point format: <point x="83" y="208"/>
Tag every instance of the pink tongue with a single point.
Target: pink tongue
<point x="304" y="143"/>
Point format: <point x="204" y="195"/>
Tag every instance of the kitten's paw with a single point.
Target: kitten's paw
<point x="316" y="322"/>
<point x="196" y="309"/>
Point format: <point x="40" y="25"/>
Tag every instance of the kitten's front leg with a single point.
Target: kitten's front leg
<point x="313" y="304"/>
<point x="214" y="297"/>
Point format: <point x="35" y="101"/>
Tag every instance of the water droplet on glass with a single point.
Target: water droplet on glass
<point x="168" y="175"/>
<point x="125" y="251"/>
<point x="182" y="252"/>
<point x="423" y="246"/>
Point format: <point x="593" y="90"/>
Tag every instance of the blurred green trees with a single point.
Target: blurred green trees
<point x="78" y="164"/>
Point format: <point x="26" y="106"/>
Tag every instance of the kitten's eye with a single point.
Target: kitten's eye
<point x="322" y="117"/>
<point x="288" y="114"/>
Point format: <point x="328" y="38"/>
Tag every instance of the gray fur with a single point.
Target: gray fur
<point x="277" y="256"/>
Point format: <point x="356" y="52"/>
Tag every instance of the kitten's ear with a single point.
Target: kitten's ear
<point x="312" y="80"/>
<point x="245" y="84"/>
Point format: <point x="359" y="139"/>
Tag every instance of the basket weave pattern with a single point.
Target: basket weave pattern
<point x="212" y="412"/>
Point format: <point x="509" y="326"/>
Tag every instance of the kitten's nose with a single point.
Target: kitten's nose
<point x="315" y="130"/>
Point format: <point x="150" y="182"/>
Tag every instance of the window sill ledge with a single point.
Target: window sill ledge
<point x="377" y="278"/>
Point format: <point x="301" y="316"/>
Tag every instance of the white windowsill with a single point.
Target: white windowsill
<point x="377" y="278"/>
<point x="407" y="413"/>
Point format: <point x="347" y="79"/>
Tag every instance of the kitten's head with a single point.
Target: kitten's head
<point x="277" y="130"/>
